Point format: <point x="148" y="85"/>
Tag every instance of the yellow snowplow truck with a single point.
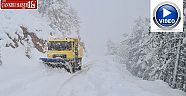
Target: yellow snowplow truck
<point x="64" y="53"/>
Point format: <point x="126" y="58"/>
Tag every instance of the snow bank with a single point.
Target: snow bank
<point x="20" y="76"/>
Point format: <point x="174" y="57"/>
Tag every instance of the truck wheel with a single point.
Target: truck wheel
<point x="73" y="70"/>
<point x="79" y="68"/>
<point x="68" y="70"/>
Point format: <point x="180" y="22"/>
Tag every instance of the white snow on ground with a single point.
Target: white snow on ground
<point x="20" y="76"/>
<point x="11" y="21"/>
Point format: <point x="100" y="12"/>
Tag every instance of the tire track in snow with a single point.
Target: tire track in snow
<point x="67" y="81"/>
<point x="19" y="86"/>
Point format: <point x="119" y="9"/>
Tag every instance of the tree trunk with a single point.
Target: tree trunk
<point x="176" y="64"/>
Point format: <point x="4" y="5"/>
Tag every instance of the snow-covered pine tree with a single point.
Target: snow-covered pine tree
<point x="173" y="72"/>
<point x="111" y="47"/>
<point x="140" y="49"/>
<point x="184" y="6"/>
<point x="63" y="18"/>
<point x="156" y="55"/>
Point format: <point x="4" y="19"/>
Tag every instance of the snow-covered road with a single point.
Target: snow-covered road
<point x="100" y="77"/>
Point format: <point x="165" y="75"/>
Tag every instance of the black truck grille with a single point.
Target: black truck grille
<point x="60" y="55"/>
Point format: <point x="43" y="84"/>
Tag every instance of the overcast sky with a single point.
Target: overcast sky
<point x="107" y="19"/>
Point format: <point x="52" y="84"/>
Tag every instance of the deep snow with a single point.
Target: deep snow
<point x="20" y="76"/>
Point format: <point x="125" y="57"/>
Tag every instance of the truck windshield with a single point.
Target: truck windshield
<point x="59" y="46"/>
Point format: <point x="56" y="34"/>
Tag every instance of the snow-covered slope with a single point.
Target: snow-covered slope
<point x="20" y="76"/>
<point x="12" y="20"/>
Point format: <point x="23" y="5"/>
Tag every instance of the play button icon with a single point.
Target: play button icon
<point x="166" y="12"/>
<point x="166" y="16"/>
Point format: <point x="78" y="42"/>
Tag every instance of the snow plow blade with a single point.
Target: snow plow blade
<point x="52" y="60"/>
